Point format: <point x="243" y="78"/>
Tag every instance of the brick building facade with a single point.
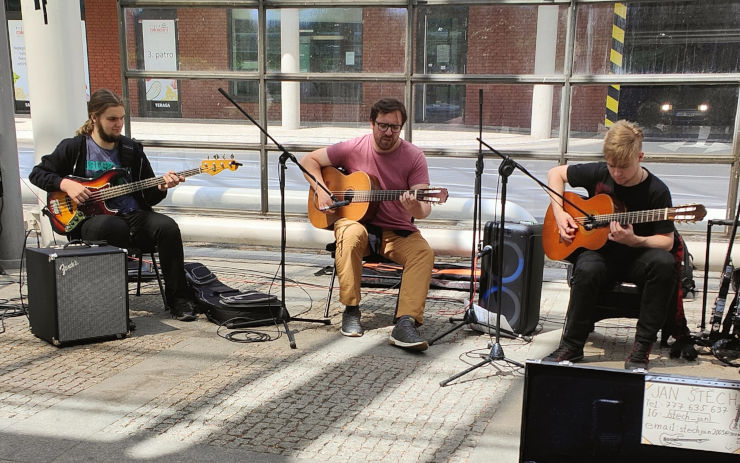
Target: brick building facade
<point x="203" y="44"/>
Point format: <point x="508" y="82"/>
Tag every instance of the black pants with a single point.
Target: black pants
<point x="653" y="269"/>
<point x="145" y="230"/>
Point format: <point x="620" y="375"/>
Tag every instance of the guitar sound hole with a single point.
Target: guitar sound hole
<point x="349" y="195"/>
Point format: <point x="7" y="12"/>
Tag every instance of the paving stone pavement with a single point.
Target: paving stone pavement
<point x="177" y="391"/>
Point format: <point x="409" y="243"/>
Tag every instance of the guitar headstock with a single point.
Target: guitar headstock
<point x="688" y="213"/>
<point x="432" y="195"/>
<point x="216" y="165"/>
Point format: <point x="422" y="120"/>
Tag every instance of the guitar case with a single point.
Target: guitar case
<point x="230" y="307"/>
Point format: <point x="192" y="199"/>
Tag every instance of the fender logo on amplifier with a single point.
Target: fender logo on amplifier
<point x="65" y="267"/>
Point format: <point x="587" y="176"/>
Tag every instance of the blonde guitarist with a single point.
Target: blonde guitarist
<point x="638" y="253"/>
<point x="397" y="165"/>
<point x="98" y="147"/>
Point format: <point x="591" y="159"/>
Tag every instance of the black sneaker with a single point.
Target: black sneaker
<point x="639" y="356"/>
<point x="406" y="335"/>
<point x="351" y="322"/>
<point x="184" y="310"/>
<point x="565" y="354"/>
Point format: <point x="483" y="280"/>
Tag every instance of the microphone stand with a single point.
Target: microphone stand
<point x="470" y="317"/>
<point x="505" y="169"/>
<point x="284" y="315"/>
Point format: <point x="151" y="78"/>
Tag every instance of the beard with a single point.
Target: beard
<point x="108" y="137"/>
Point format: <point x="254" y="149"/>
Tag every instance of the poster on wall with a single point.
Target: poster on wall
<point x="20" y="71"/>
<point x="18" y="65"/>
<point x="160" y="54"/>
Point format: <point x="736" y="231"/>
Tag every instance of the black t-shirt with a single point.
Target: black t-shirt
<point x="651" y="193"/>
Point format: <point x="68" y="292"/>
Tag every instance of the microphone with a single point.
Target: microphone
<point x="336" y="204"/>
<point x="487" y="249"/>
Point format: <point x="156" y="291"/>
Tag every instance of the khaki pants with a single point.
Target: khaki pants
<point x="412" y="252"/>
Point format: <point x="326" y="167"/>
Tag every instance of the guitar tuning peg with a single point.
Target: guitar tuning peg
<point x="215" y="156"/>
<point x="232" y="156"/>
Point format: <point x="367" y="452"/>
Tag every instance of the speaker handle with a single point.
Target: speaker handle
<point x="77" y="243"/>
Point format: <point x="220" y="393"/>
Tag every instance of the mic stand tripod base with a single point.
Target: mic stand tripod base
<point x="496" y="354"/>
<point x="470" y="317"/>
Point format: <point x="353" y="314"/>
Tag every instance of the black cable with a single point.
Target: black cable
<point x="245" y="335"/>
<point x="20" y="275"/>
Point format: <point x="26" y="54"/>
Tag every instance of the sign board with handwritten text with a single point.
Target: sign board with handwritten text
<point x="701" y="416"/>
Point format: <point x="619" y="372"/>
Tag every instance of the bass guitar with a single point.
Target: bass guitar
<point x="593" y="231"/>
<point x="360" y="189"/>
<point x="65" y="215"/>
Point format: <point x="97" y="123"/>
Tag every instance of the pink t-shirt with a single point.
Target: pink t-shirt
<point x="398" y="170"/>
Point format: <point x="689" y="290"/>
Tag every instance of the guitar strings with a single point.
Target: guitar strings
<point x="376" y="195"/>
<point x="113" y="191"/>
<point x="650" y="215"/>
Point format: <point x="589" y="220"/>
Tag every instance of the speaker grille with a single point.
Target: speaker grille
<point x="91" y="296"/>
<point x="523" y="261"/>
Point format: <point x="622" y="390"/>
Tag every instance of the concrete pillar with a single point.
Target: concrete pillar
<point x="544" y="63"/>
<point x="12" y="237"/>
<point x="56" y="76"/>
<point x="290" y="61"/>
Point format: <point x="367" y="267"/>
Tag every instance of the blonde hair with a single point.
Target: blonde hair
<point x="623" y="143"/>
<point x="100" y="100"/>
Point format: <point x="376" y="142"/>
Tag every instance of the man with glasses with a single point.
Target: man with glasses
<point x="396" y="165"/>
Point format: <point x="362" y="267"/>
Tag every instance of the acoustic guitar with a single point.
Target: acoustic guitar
<point x="65" y="215"/>
<point x="593" y="231"/>
<point x="360" y="189"/>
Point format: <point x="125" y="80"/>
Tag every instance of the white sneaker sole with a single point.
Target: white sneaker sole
<point x="351" y="334"/>
<point x="421" y="345"/>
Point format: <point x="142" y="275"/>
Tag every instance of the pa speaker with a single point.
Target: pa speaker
<point x="77" y="293"/>
<point x="523" y="261"/>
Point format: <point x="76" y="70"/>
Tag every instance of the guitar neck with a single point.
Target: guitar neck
<point x="128" y="188"/>
<point x="368" y="196"/>
<point x="650" y="215"/>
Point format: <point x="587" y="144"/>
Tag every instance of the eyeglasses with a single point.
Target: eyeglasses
<point x="383" y="127"/>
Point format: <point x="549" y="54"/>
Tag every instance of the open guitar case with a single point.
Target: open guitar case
<point x="231" y="307"/>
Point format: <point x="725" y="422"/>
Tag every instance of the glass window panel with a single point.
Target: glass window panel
<point x="675" y="119"/>
<point x="214" y="39"/>
<point x="485" y="39"/>
<point x="658" y="38"/>
<point x="229" y="190"/>
<point x="686" y="113"/>
<point x="341" y="104"/>
<point x="705" y="184"/>
<point x="447" y="116"/>
<point x="186" y="99"/>
<point x="340" y="39"/>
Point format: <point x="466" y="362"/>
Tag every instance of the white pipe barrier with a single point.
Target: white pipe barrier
<point x="453" y="238"/>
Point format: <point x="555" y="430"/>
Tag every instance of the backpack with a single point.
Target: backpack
<point x="230" y="307"/>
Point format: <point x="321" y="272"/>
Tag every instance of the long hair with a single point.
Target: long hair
<point x="100" y="100"/>
<point x="623" y="143"/>
<point x="388" y="105"/>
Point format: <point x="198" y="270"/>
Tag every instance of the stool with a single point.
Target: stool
<point x="332" y="248"/>
<point x="139" y="255"/>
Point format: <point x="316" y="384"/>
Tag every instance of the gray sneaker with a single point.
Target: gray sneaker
<point x="406" y="335"/>
<point x="351" y="322"/>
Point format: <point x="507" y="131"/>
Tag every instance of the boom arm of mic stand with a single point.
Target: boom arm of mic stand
<point x="590" y="217"/>
<point x="283" y="235"/>
<point x="285" y="153"/>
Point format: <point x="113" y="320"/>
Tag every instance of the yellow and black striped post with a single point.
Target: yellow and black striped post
<point x="615" y="62"/>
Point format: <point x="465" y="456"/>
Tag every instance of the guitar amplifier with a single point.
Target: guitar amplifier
<point x="77" y="292"/>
